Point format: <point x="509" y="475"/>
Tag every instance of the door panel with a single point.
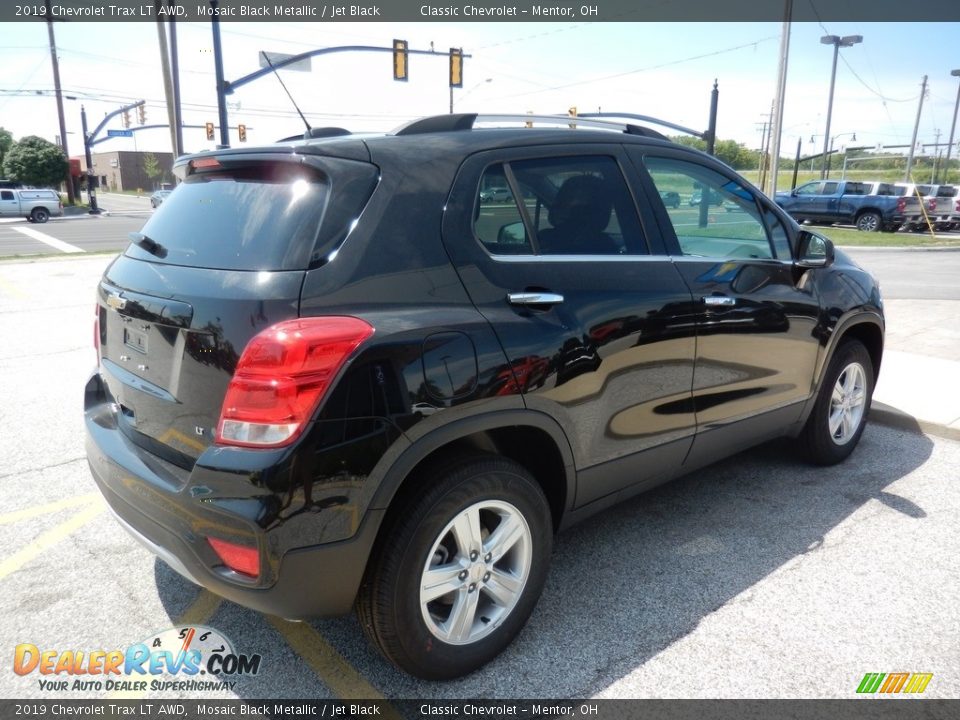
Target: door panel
<point x="609" y="350"/>
<point x="756" y="317"/>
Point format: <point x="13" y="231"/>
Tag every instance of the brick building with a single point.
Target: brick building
<point x="124" y="170"/>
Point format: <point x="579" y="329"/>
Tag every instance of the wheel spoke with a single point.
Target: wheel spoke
<point x="460" y="623"/>
<point x="502" y="587"/>
<point x="834" y="421"/>
<point x="440" y="580"/>
<point x="508" y="532"/>
<point x="466" y="531"/>
<point x="837" y="396"/>
<point x="847" y="425"/>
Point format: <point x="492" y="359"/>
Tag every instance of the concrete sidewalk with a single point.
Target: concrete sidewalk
<point x="919" y="386"/>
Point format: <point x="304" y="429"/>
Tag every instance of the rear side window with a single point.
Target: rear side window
<point x="578" y="205"/>
<point x="6" y="195"/>
<point x="259" y="216"/>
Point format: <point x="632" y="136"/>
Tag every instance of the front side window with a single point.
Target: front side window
<point x="721" y="220"/>
<point x="6" y="195"/>
<point x="557" y="206"/>
<point x="808" y="189"/>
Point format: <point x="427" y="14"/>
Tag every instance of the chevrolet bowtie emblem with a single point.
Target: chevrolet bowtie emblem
<point x="116" y="302"/>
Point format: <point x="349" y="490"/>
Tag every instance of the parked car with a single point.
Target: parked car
<point x="713" y="198"/>
<point x="34" y="205"/>
<point x="926" y="196"/>
<point x="670" y="198"/>
<point x="497" y="194"/>
<point x="156" y="200"/>
<point x="947" y="208"/>
<point x="267" y="347"/>
<point x="848" y="202"/>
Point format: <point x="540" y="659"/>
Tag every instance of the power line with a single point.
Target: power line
<point x="640" y="70"/>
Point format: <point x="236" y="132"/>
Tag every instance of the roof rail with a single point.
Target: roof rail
<point x="466" y="121"/>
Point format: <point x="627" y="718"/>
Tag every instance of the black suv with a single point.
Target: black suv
<point x="331" y="376"/>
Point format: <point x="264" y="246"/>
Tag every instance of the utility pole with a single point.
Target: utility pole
<point x="175" y="78"/>
<point x="936" y="154"/>
<point x="777" y="122"/>
<point x="56" y="85"/>
<point x="953" y="126"/>
<point x="165" y="71"/>
<point x="91" y="182"/>
<point x="218" y="67"/>
<point x="916" y="129"/>
<point x="762" y="176"/>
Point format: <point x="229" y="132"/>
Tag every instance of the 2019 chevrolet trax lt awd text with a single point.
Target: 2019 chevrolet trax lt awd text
<point x="332" y="376"/>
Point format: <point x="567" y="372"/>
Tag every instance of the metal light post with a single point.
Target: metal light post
<point x="460" y="99"/>
<point x="953" y="126"/>
<point x="91" y="183"/>
<point x="853" y="137"/>
<point x="837" y="42"/>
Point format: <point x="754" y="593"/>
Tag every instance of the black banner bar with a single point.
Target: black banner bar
<point x="485" y="11"/>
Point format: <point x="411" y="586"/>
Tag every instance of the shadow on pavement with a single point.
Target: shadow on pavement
<point x="628" y="583"/>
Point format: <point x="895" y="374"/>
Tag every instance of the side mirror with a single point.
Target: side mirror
<point x="815" y="251"/>
<point x="512" y="234"/>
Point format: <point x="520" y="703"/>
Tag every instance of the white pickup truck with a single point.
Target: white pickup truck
<point x="35" y="205"/>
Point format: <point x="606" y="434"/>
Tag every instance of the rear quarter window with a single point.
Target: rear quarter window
<point x="261" y="216"/>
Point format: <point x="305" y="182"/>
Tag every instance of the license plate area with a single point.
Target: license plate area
<point x="135" y="340"/>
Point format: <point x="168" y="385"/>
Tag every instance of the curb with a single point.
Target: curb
<point x="898" y="248"/>
<point x="892" y="417"/>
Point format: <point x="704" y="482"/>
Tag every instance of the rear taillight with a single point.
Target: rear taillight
<point x="901" y="204"/>
<point x="239" y="558"/>
<point x="956" y="206"/>
<point x="282" y="376"/>
<point x="932" y="205"/>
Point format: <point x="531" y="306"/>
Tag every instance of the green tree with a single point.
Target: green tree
<point x="6" y="142"/>
<point x="35" y="161"/>
<point x="151" y="166"/>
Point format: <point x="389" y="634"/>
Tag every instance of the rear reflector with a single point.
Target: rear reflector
<point x="282" y="377"/>
<point x="239" y="558"/>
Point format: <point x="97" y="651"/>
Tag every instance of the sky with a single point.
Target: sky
<point x="663" y="70"/>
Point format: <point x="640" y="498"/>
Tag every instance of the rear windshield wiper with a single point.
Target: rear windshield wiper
<point x="151" y="246"/>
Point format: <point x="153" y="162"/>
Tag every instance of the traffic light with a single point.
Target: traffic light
<point x="142" y="114"/>
<point x="456" y="67"/>
<point x="400" y="60"/>
<point x="242" y="130"/>
<point x="209" y="127"/>
<point x="126" y="118"/>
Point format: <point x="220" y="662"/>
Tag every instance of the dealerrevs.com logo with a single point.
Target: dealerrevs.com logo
<point x="894" y="683"/>
<point x="188" y="659"/>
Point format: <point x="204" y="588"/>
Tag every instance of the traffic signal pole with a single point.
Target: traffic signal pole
<point x="218" y="67"/>
<point x="91" y="183"/>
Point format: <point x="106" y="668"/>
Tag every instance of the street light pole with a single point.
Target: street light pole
<point x="837" y="42"/>
<point x="953" y="126"/>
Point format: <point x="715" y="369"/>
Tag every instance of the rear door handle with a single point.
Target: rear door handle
<point x="534" y="298"/>
<point x="719" y="301"/>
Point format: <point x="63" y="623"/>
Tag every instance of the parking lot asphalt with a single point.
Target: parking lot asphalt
<point x="757" y="577"/>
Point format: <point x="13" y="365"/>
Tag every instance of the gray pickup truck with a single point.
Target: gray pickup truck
<point x="35" y="205"/>
<point x="863" y="204"/>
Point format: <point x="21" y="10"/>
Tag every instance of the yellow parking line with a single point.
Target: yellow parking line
<point x="48" y="539"/>
<point x="331" y="667"/>
<point x="203" y="607"/>
<point x="18" y="515"/>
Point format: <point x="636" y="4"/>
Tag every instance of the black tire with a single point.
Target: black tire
<point x="869" y="221"/>
<point x="417" y="530"/>
<point x="818" y="443"/>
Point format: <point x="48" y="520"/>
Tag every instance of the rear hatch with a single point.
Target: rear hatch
<point x="222" y="259"/>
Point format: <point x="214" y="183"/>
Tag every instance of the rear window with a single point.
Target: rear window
<point x="946" y="191"/>
<point x="260" y="216"/>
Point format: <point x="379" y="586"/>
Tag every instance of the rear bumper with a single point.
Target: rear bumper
<point x="160" y="506"/>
